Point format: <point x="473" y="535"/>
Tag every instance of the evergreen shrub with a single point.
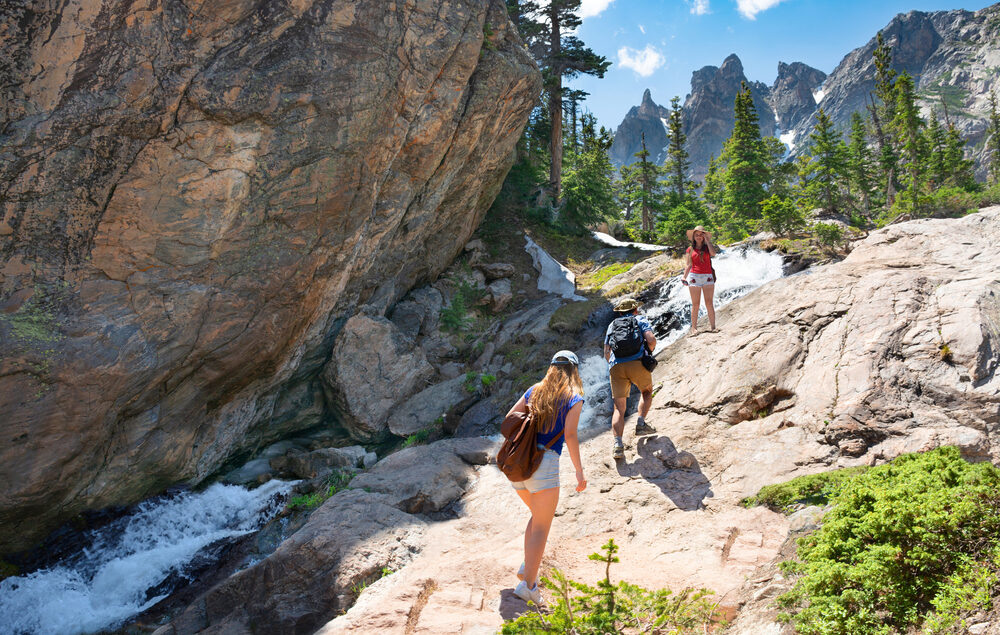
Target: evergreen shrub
<point x="582" y="609"/>
<point x="912" y="544"/>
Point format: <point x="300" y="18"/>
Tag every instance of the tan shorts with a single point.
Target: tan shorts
<point x="627" y="373"/>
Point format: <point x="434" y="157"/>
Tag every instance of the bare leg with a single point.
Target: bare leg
<point x="618" y="418"/>
<point x="695" y="306"/>
<point x="709" y="292"/>
<point x="543" y="509"/>
<point x="645" y="403"/>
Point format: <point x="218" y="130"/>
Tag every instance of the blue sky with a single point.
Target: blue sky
<point x="657" y="44"/>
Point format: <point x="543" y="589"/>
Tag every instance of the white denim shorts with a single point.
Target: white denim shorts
<point x="545" y="477"/>
<point x="701" y="279"/>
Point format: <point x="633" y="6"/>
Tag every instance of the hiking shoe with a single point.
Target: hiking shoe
<point x="528" y="595"/>
<point x="619" y="450"/>
<point x="520" y="572"/>
<point x="641" y="428"/>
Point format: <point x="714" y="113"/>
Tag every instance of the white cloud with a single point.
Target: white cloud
<point x="590" y="8"/>
<point x="643" y="29"/>
<point x="644" y="62"/>
<point x="750" y="8"/>
<point x="699" y="7"/>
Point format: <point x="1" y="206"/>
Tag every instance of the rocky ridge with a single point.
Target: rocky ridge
<point x="194" y="201"/>
<point x="648" y="120"/>
<point x="839" y="366"/>
<point x="952" y="56"/>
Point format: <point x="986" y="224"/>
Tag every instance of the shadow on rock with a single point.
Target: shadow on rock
<point x="511" y="606"/>
<point x="675" y="472"/>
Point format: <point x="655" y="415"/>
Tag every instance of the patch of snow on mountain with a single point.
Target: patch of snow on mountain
<point x="788" y="139"/>
<point x="819" y="94"/>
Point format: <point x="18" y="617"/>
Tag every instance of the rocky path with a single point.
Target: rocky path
<point x="893" y="350"/>
<point x="676" y="529"/>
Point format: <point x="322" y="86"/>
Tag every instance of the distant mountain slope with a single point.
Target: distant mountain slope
<point x="954" y="56"/>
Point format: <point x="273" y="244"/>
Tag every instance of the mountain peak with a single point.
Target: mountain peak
<point x="647" y="98"/>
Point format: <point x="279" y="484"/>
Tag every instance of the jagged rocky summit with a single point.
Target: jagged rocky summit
<point x="648" y="120"/>
<point x="195" y="201"/>
<point x="952" y="55"/>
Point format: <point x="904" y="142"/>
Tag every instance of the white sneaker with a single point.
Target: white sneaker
<point x="528" y="595"/>
<point x="520" y="572"/>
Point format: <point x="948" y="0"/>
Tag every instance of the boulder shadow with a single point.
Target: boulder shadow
<point x="675" y="472"/>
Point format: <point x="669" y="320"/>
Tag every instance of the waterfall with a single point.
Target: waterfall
<point x="740" y="271"/>
<point x="126" y="567"/>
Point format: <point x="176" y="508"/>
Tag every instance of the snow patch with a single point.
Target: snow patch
<point x="818" y="95"/>
<point x="614" y="242"/>
<point x="788" y="139"/>
<point x="552" y="276"/>
<point x="666" y="126"/>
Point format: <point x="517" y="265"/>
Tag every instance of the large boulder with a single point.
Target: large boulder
<point x="424" y="408"/>
<point x="196" y="197"/>
<point x="372" y="369"/>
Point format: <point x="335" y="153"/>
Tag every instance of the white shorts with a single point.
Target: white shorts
<point x="545" y="477"/>
<point x="701" y="279"/>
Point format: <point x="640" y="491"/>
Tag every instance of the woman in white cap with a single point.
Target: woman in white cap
<point x="699" y="276"/>
<point x="556" y="401"/>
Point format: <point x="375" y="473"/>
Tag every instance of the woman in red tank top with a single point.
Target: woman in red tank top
<point x="699" y="275"/>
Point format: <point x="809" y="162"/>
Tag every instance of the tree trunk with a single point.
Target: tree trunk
<point x="555" y="106"/>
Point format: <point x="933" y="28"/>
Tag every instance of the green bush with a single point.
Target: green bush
<point x="813" y="489"/>
<point x="582" y="609"/>
<point x="914" y="543"/>
<point x="829" y="234"/>
<point x="334" y="483"/>
<point x="780" y="215"/>
<point x="457" y="315"/>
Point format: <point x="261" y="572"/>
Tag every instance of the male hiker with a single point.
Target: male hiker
<point x="627" y="334"/>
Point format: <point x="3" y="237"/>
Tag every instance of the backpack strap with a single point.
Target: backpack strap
<point x="548" y="446"/>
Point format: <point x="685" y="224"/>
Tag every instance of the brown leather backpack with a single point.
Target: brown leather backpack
<point x="519" y="455"/>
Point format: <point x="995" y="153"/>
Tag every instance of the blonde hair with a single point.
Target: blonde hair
<point x="561" y="382"/>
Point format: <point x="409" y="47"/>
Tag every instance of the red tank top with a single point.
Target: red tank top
<point x="701" y="261"/>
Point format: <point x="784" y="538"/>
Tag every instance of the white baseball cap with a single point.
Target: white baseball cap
<point x="563" y="358"/>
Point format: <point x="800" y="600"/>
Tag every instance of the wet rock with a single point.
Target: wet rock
<point x="250" y="472"/>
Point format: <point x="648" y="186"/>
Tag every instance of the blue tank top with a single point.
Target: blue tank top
<point x="544" y="438"/>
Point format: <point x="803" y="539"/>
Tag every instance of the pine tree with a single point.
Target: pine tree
<point x="571" y="103"/>
<point x="993" y="141"/>
<point x="679" y="187"/>
<point x="829" y="165"/>
<point x="589" y="195"/>
<point x="746" y="171"/>
<point x="714" y="186"/>
<point x="959" y="171"/>
<point x="907" y="126"/>
<point x="561" y="56"/>
<point x="883" y="112"/>
<point x="935" y="142"/>
<point x="860" y="165"/>
<point x="643" y="191"/>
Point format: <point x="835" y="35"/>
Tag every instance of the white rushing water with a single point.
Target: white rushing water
<point x="118" y="576"/>
<point x="740" y="271"/>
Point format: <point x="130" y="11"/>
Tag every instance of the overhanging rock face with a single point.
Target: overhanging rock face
<point x="196" y="197"/>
